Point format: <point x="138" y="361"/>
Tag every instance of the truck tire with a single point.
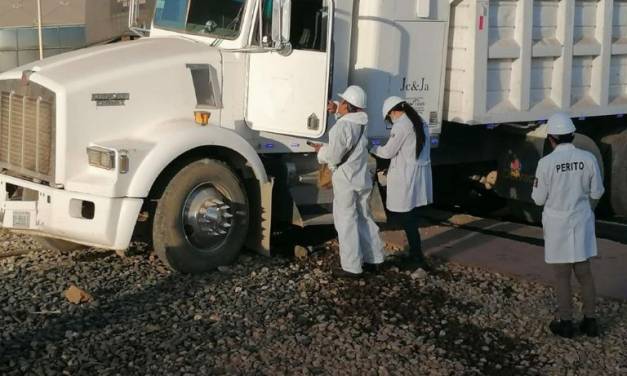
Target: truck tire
<point x="201" y="220"/>
<point x="57" y="244"/>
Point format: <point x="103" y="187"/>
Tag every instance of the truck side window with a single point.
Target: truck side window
<point x="309" y="25"/>
<point x="218" y="17"/>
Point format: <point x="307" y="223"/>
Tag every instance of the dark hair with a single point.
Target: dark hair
<point x="351" y="108"/>
<point x="563" y="138"/>
<point x="416" y="121"/>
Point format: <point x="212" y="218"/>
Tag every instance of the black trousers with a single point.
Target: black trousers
<point x="409" y="222"/>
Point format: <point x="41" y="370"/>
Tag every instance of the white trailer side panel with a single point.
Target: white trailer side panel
<point x="399" y="48"/>
<point x="523" y="60"/>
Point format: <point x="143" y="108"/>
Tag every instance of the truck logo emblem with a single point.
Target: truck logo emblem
<point x="414" y="86"/>
<point x="110" y="99"/>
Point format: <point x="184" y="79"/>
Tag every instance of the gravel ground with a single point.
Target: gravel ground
<point x="273" y="316"/>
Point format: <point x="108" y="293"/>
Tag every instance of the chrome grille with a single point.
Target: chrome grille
<point x="27" y="133"/>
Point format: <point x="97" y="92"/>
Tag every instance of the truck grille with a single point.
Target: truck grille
<point x="27" y="132"/>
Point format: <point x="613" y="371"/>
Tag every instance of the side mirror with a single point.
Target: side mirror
<point x="281" y="23"/>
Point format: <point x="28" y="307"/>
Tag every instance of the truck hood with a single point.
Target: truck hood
<point x="88" y="67"/>
<point x="152" y="77"/>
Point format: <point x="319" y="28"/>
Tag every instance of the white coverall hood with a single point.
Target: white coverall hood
<point x="360" y="118"/>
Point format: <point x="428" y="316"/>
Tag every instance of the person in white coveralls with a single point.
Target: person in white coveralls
<point x="347" y="156"/>
<point x="566" y="181"/>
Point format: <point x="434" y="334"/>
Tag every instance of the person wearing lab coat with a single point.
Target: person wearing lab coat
<point x="409" y="181"/>
<point x="347" y="156"/>
<point x="565" y="183"/>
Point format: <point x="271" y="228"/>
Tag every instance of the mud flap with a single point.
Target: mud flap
<point x="259" y="240"/>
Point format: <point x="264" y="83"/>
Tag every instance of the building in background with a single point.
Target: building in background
<point x="66" y="25"/>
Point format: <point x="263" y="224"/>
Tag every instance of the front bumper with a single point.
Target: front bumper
<point x="59" y="214"/>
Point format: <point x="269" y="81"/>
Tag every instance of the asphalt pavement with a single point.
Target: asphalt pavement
<point x="512" y="248"/>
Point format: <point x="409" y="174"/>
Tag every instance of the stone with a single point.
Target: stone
<point x="301" y="253"/>
<point x="419" y="274"/>
<point x="76" y="295"/>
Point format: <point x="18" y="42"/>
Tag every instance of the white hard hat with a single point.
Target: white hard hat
<point x="355" y="95"/>
<point x="560" y="124"/>
<point x="390" y="103"/>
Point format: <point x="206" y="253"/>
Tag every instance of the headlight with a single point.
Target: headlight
<point x="101" y="157"/>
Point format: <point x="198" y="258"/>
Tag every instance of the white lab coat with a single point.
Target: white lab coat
<point x="565" y="182"/>
<point x="409" y="180"/>
<point x="358" y="234"/>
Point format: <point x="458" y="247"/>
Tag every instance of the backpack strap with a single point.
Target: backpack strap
<point x="352" y="149"/>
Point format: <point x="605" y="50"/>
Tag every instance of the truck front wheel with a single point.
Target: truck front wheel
<point x="201" y="220"/>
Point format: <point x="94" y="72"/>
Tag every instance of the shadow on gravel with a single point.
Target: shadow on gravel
<point x="93" y="256"/>
<point x="93" y="332"/>
<point x="432" y="316"/>
<point x="202" y="324"/>
<point x="283" y="243"/>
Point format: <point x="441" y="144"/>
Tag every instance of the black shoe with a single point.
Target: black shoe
<point x="562" y="328"/>
<point x="373" y="268"/>
<point x="416" y="262"/>
<point x="589" y="327"/>
<point x="341" y="273"/>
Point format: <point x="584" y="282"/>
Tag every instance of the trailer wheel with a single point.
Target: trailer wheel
<point x="201" y="220"/>
<point x="57" y="244"/>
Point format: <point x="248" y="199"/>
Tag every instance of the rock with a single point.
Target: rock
<point x="419" y="274"/>
<point x="76" y="295"/>
<point x="255" y="321"/>
<point x="214" y="317"/>
<point x="225" y="269"/>
<point x="301" y="252"/>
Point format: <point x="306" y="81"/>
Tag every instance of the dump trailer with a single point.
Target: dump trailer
<point x="65" y="26"/>
<point x="196" y="137"/>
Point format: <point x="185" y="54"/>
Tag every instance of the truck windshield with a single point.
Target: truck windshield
<point x="219" y="18"/>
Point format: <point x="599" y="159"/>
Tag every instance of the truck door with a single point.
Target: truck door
<point x="287" y="92"/>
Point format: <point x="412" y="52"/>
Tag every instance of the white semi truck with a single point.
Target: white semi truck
<point x="196" y="135"/>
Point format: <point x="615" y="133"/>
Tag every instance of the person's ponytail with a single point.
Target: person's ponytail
<point x="417" y="121"/>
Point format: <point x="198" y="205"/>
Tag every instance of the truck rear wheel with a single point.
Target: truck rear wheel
<point x="201" y="220"/>
<point x="57" y="244"/>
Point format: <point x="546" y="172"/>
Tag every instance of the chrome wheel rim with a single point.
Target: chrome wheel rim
<point x="207" y="217"/>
